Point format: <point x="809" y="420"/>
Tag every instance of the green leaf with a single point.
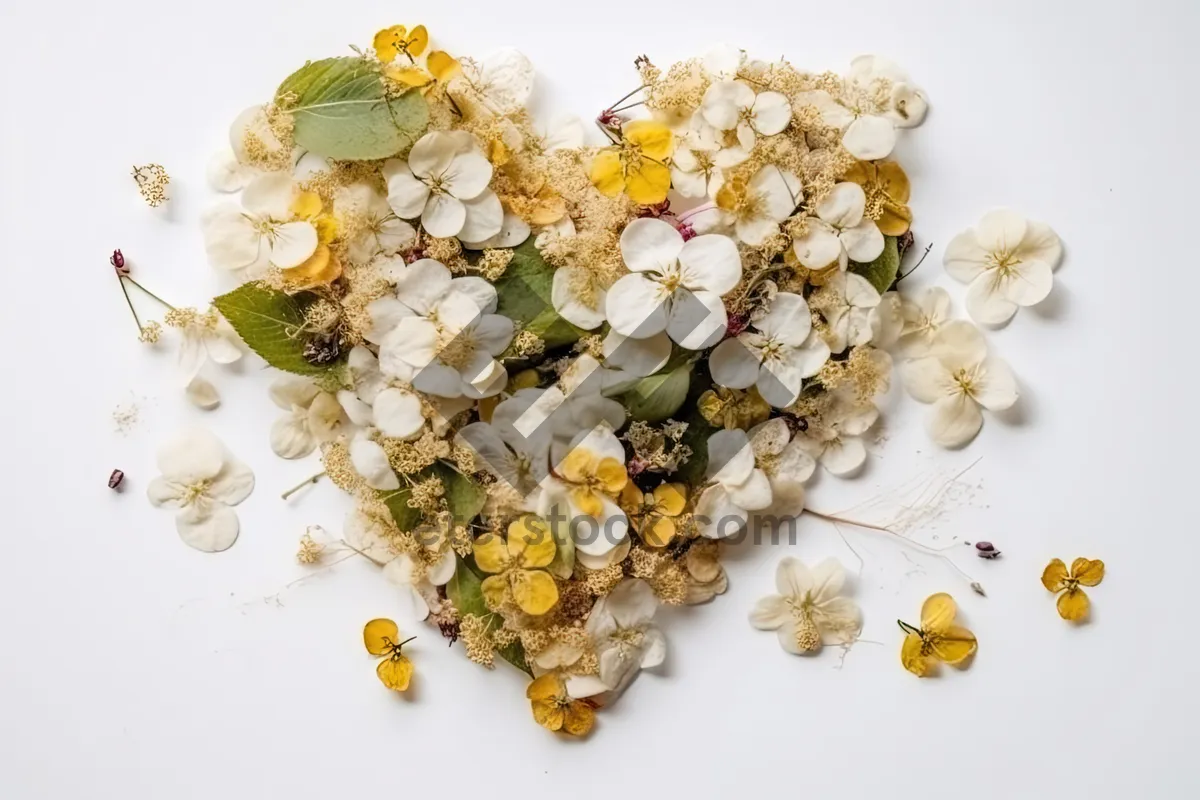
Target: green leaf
<point x="657" y="397"/>
<point x="466" y="592"/>
<point x="406" y="517"/>
<point x="340" y="111"/>
<point x="524" y="297"/>
<point x="269" y="322"/>
<point x="464" y="497"/>
<point x="882" y="271"/>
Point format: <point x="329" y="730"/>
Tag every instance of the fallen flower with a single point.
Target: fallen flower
<point x="1073" y="603"/>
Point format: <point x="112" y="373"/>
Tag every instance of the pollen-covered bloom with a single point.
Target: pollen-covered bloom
<point x="730" y="105"/>
<point x="840" y="232"/>
<point x="263" y="232"/>
<point x="675" y="286"/>
<point x="203" y="481"/>
<point x="776" y="353"/>
<point x="809" y="610"/>
<point x="736" y="488"/>
<point x="754" y="208"/>
<point x="445" y="183"/>
<point x="1007" y="261"/>
<point x="637" y="165"/>
<point x="959" y="378"/>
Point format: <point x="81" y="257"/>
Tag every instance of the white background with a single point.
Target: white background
<point x="133" y="667"/>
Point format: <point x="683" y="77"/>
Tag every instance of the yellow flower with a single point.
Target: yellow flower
<point x="555" y="710"/>
<point x="322" y="267"/>
<point x="1073" y="603"/>
<point x="382" y="638"/>
<point x="637" y="165"/>
<point x="938" y="638"/>
<point x="733" y="408"/>
<point x="391" y="42"/>
<point x="591" y="477"/>
<point x="439" y="68"/>
<point x="515" y="566"/>
<point x="885" y="183"/>
<point x="654" y="512"/>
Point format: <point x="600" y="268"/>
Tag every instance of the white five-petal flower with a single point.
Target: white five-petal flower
<point x="202" y="480"/>
<point x="1008" y="262"/>
<point x="732" y="104"/>
<point x="754" y="208"/>
<point x="623" y="633"/>
<point x="958" y="379"/>
<point x="837" y="444"/>
<point x="378" y="231"/>
<point x="809" y="610"/>
<point x="737" y="486"/>
<point x="785" y="463"/>
<point x="849" y="315"/>
<point x="246" y="241"/>
<point x="395" y="410"/>
<point x="673" y="286"/>
<point x="776" y="353"/>
<point x="313" y="416"/>
<point x="840" y="232"/>
<point x="445" y="183"/>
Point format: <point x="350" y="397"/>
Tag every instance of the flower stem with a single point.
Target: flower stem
<point x="147" y="291"/>
<point x="613" y="107"/>
<point x="302" y="484"/>
<point x="129" y="302"/>
<point x="976" y="586"/>
<point x="626" y="108"/>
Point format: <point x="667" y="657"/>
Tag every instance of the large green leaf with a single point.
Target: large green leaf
<point x="466" y="592"/>
<point x="340" y="111"/>
<point x="464" y="497"/>
<point x="524" y="297"/>
<point x="882" y="271"/>
<point x="657" y="397"/>
<point x="270" y="322"/>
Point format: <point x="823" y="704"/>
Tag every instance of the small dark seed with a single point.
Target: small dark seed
<point x="115" y="480"/>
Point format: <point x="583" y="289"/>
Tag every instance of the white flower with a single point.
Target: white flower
<point x="254" y="122"/>
<point x="578" y="297"/>
<point x="519" y="460"/>
<point x="776" y="353"/>
<point x="203" y="337"/>
<point x="849" y="318"/>
<point x="623" y="634"/>
<point x="809" y="610"/>
<point x="837" y="443"/>
<point x="577" y="402"/>
<point x="840" y="232"/>
<point x="246" y="241"/>
<point x="579" y="482"/>
<point x="226" y="174"/>
<point x="202" y="394"/>
<point x="419" y="581"/>
<point x="202" y="480"/>
<point x="503" y="79"/>
<point x="908" y="105"/>
<point x="699" y="162"/>
<point x="959" y="378"/>
<point x="674" y="286"/>
<point x="313" y="416"/>
<point x="439" y="334"/>
<point x="377" y="229"/>
<point x="922" y="317"/>
<point x="785" y="463"/>
<point x="445" y="183"/>
<point x="755" y="208"/>
<point x="887" y="321"/>
<point x="394" y="410"/>
<point x="732" y="104"/>
<point x="738" y="486"/>
<point x="1007" y="260"/>
<point x="370" y="461"/>
<point x="562" y="132"/>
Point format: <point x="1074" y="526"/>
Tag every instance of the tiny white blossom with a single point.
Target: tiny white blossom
<point x="736" y="488"/>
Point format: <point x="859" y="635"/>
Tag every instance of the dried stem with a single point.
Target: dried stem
<point x="129" y="302"/>
<point x="302" y="484"/>
<point x="147" y="291"/>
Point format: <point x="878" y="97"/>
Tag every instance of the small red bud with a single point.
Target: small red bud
<point x="117" y="478"/>
<point x="117" y="259"/>
<point x="986" y="550"/>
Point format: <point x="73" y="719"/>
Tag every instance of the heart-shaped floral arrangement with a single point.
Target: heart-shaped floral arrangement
<point x="556" y="376"/>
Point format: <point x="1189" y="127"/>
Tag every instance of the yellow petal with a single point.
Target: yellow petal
<point x="612" y="475"/>
<point x="913" y="657"/>
<point x="525" y="379"/>
<point x="654" y="138"/>
<point x="895" y="220"/>
<point x="307" y="205"/>
<point x="578" y="466"/>
<point x="546" y="687"/>
<point x="487" y="407"/>
<point x="606" y="173"/>
<point x="494" y="590"/>
<point x="442" y="65"/>
<point x="380" y="635"/>
<point x="490" y="553"/>
<point x="409" y="76"/>
<point x="670" y="498"/>
<point x="938" y="612"/>
<point x="1073" y="605"/>
<point x="630" y="499"/>
<point x="862" y="173"/>
<point x="319" y="268"/>
<point x="548" y="208"/>
<point x="548" y="714"/>
<point x="327" y="228"/>
<point x="648" y="183"/>
<point x="535" y="543"/>
<point x="658" y="532"/>
<point x="417" y="41"/>
<point x="534" y="591"/>
<point x="895" y="182"/>
<point x="579" y="719"/>
<point x="587" y="501"/>
<point x="953" y="645"/>
<point x="497" y="153"/>
<point x="1087" y="571"/>
<point x="385" y="42"/>
<point x="395" y="672"/>
<point x="1054" y="577"/>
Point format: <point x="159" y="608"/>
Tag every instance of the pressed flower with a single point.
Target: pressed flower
<point x="959" y="378"/>
<point x="515" y="566"/>
<point x="445" y="183"/>
<point x="638" y="357"/>
<point x="578" y="297"/>
<point x="674" y="286"/>
<point x="313" y="416"/>
<point x="787" y="465"/>
<point x="637" y="165"/>
<point x="736" y="486"/>
<point x="907" y="104"/>
<point x="391" y="42"/>
<point x="809" y="609"/>
<point x="840" y="232"/>
<point x="395" y="410"/>
<point x="653" y="513"/>
<point x="623" y="633"/>
<point x="203" y="337"/>
<point x="592" y="477"/>
<point x="922" y="318"/>
<point x="775" y="354"/>
<point x="754" y="208"/>
<point x="370" y="461"/>
<point x="938" y="638"/>
<point x="203" y="481"/>
<point x="589" y="476"/>
<point x="519" y="460"/>
<point x="1073" y="603"/>
<point x="837" y="445"/>
<point x="376" y="228"/>
<point x="886" y="187"/>
<point x="503" y="79"/>
<point x="1007" y="261"/>
<point x="265" y="232"/>
<point x="440" y="67"/>
<point x="728" y="408"/>
<point x="382" y="638"/>
<point x="730" y="105"/>
<point x="699" y="163"/>
<point x="419" y="574"/>
<point x="848" y="314"/>
<point x="557" y="711"/>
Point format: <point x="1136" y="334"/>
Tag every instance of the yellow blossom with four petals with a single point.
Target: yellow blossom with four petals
<point x="391" y="42"/>
<point x="637" y="165"/>
<point x="654" y="512"/>
<point x="323" y="266"/>
<point x="382" y="638"/>
<point x="885" y="182"/>
<point x="555" y="710"/>
<point x="591" y="478"/>
<point x="1073" y="603"/>
<point x="516" y="565"/>
<point x="938" y="638"/>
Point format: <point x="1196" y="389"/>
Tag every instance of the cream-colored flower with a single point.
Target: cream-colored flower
<point x="923" y="316"/>
<point x="809" y="610"/>
<point x="202" y="480"/>
<point x="623" y="634"/>
<point x="755" y="208"/>
<point x="375" y="228"/>
<point x="736" y="486"/>
<point x="837" y="444"/>
<point x="313" y="416"/>
<point x="730" y="105"/>
<point x="502" y="80"/>
<point x="787" y="465"/>
<point x="396" y="410"/>
<point x="419" y="582"/>
<point x="840" y="232"/>
<point x="263" y="232"/>
<point x="849" y="317"/>
<point x="445" y="183"/>
<point x="700" y="161"/>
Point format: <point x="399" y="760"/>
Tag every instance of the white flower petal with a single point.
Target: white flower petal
<point x="654" y="648"/>
<point x="467" y="176"/>
<point x="778" y="190"/>
<point x="753" y="494"/>
<point x="863" y="242"/>
<point x="506" y="78"/>
<point x="564" y="132"/>
<point x="965" y="259"/>
<point x="730" y="457"/>
<point x="407" y="194"/>
<point x="209" y="532"/>
<point x="569" y="306"/>
<point x="398" y="413"/>
<point x="717" y="517"/>
<point x="421" y="284"/>
<point x="770" y="612"/>
<point x="696" y="320"/>
<point x="781" y="379"/>
<point x="412" y="343"/>
<point x="479" y="290"/>
<point x="927" y="380"/>
<point x="787" y="638"/>
<point x="955" y="421"/>
<point x="513" y="232"/>
<point x="771" y="113"/>
<point x="792" y="578"/>
<point x="723" y="61"/>
<point x="909" y="105"/>
<point x="191" y="456"/>
<point x="225" y="174"/>
<point x="1041" y="243"/>
<point x="290" y="437"/>
<point x="711" y="263"/>
<point x="818" y="248"/>
<point x="270" y="195"/>
<point x="432" y="154"/>
<point x="371" y="462"/>
<point x="1028" y="283"/>
<point x="650" y="245"/>
<point x="844" y="457"/>
<point x="844" y="206"/>
<point x="734" y="364"/>
<point x="163" y="493"/>
<point x="640" y="357"/>
<point x="493" y="333"/>
<point x="294" y="243"/>
<point x="788" y="320"/>
<point x="632" y="603"/>
<point x="723" y="101"/>
<point x="442" y="570"/>
<point x="485" y="218"/>
<point x="869" y="138"/>
<point x="444" y="216"/>
<point x="202" y="394"/>
<point x="833" y="113"/>
<point x="986" y="302"/>
<point x="995" y="387"/>
<point x="634" y="305"/>
<point x="1001" y="230"/>
<point x="231" y="241"/>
